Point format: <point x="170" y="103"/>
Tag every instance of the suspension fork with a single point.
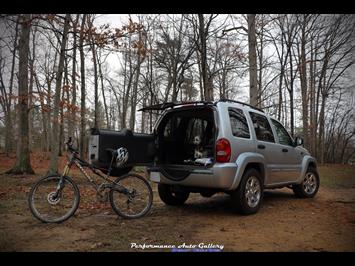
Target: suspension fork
<point x="61" y="180"/>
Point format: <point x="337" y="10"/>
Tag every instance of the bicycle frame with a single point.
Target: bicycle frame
<point x="80" y="163"/>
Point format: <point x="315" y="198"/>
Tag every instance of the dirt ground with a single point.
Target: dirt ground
<point x="284" y="223"/>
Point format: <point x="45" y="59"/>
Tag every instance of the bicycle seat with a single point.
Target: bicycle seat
<point x="112" y="152"/>
<point x="74" y="150"/>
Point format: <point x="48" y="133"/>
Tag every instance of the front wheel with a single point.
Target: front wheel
<point x="54" y="199"/>
<point x="131" y="197"/>
<point x="309" y="186"/>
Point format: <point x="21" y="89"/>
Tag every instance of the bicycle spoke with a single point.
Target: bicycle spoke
<point x="135" y="201"/>
<point x="50" y="205"/>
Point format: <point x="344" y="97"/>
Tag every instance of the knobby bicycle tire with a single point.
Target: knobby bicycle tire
<point x="35" y="212"/>
<point x="148" y="203"/>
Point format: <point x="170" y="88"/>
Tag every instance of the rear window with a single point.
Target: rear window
<point x="239" y="124"/>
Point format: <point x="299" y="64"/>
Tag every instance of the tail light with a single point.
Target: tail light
<point x="223" y="151"/>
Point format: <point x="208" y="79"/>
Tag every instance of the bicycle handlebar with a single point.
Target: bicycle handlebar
<point x="69" y="144"/>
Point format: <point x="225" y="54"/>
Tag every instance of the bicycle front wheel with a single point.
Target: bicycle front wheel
<point x="51" y="206"/>
<point x="131" y="197"/>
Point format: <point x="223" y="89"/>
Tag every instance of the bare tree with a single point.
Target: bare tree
<point x="22" y="163"/>
<point x="173" y="54"/>
<point x="253" y="79"/>
<point x="6" y="99"/>
<point x="83" y="92"/>
<point x="53" y="166"/>
<point x="73" y="109"/>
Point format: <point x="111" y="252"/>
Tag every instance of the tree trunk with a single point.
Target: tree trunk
<point x="30" y="111"/>
<point x="207" y="88"/>
<point x="82" y="75"/>
<point x="303" y="81"/>
<point x="62" y="105"/>
<point x="143" y="116"/>
<point x="290" y="92"/>
<point x="321" y="129"/>
<point x="260" y="59"/>
<point x="280" y="93"/>
<point x="135" y="89"/>
<point x="253" y="80"/>
<point x="134" y="97"/>
<point x="126" y="88"/>
<point x="23" y="163"/>
<point x="292" y="112"/>
<point x="313" y="125"/>
<point x="103" y="95"/>
<point x="96" y="100"/>
<point x="8" y="119"/>
<point x="72" y="120"/>
<point x="53" y="166"/>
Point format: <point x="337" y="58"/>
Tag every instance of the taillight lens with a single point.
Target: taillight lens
<point x="223" y="151"/>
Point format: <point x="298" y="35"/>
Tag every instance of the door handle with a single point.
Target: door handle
<point x="260" y="146"/>
<point x="284" y="150"/>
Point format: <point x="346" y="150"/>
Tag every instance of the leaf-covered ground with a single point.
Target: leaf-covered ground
<point x="284" y="223"/>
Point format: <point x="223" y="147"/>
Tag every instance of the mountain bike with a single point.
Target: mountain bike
<point x="55" y="198"/>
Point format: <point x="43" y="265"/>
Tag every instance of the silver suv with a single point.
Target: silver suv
<point x="209" y="147"/>
<point x="230" y="147"/>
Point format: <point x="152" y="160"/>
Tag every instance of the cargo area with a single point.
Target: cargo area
<point x="187" y="137"/>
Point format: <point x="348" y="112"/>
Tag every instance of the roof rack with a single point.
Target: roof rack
<point x="163" y="106"/>
<point x="233" y="101"/>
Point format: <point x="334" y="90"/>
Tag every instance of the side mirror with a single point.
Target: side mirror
<point x="298" y="141"/>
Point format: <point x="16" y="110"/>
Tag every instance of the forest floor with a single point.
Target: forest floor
<point x="284" y="223"/>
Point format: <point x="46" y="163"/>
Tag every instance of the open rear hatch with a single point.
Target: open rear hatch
<point x="141" y="148"/>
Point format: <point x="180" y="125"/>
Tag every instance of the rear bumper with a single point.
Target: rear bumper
<point x="219" y="176"/>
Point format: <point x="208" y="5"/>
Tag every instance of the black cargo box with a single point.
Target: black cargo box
<point x="141" y="147"/>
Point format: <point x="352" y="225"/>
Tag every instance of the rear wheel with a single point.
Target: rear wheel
<point x="171" y="197"/>
<point x="248" y="196"/>
<point x="309" y="186"/>
<point x="132" y="197"/>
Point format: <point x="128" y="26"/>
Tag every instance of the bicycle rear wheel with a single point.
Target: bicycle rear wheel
<point x="48" y="208"/>
<point x="134" y="200"/>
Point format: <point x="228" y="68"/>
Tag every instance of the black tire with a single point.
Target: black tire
<point x="243" y="203"/>
<point x="170" y="197"/>
<point x="53" y="181"/>
<point x="143" y="203"/>
<point x="304" y="190"/>
<point x="207" y="194"/>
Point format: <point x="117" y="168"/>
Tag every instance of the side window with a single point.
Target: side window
<point x="284" y="137"/>
<point x="239" y="124"/>
<point x="262" y="127"/>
